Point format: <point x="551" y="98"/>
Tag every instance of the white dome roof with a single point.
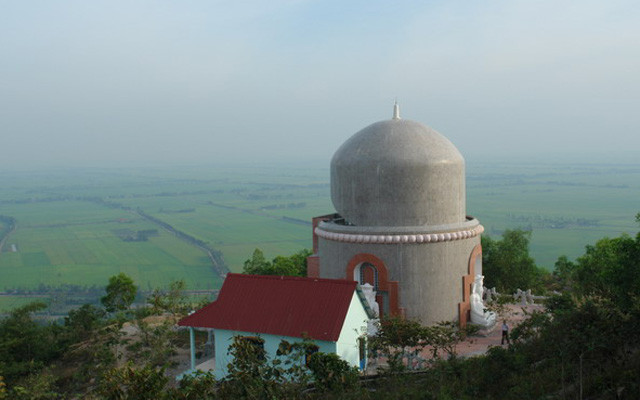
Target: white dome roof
<point x="398" y="173"/>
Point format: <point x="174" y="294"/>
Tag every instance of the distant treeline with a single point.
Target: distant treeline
<point x="297" y="221"/>
<point x="51" y="199"/>
<point x="259" y="196"/>
<point x="128" y="235"/>
<point x="542" y="221"/>
<point x="61" y="298"/>
<point x="64" y="288"/>
<point x="102" y="202"/>
<point x="521" y="180"/>
<point x="37" y="200"/>
<point x="284" y="206"/>
<point x="567" y="183"/>
<point x="279" y="187"/>
<point x="182" y="211"/>
<point x="211" y="203"/>
<point x="172" y="194"/>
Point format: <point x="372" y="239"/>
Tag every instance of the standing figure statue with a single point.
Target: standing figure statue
<point x="479" y="315"/>
<point x="529" y="297"/>
<point x="370" y="295"/>
<point x="520" y="295"/>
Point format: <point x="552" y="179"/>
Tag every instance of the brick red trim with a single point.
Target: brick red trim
<point x="314" y="224"/>
<point x="384" y="284"/>
<point x="464" y="308"/>
<point x="313" y="266"/>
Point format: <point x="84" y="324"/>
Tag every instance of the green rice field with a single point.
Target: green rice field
<point x="76" y="242"/>
<point x="75" y="227"/>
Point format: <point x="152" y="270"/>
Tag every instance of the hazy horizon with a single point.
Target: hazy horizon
<point x="115" y="83"/>
<point x="629" y="158"/>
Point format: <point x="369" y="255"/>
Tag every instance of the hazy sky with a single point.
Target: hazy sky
<point x="112" y="82"/>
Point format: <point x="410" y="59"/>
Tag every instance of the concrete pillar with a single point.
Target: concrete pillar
<point x="192" y="341"/>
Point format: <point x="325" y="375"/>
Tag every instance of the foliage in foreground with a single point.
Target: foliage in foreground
<point x="120" y="293"/>
<point x="401" y="341"/>
<point x="293" y="265"/>
<point x="506" y="262"/>
<point x="586" y="345"/>
<point x="252" y="375"/>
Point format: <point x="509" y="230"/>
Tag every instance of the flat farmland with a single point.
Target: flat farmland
<point x="231" y="224"/>
<point x="80" y="243"/>
<point x="566" y="206"/>
<point x="74" y="226"/>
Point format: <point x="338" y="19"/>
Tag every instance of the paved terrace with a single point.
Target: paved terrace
<point x="480" y="343"/>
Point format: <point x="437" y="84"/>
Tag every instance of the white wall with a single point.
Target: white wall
<point x="355" y="324"/>
<point x="224" y="338"/>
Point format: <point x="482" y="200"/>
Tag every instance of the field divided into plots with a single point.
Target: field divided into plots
<point x="80" y="227"/>
<point x="566" y="206"/>
<point x="81" y="243"/>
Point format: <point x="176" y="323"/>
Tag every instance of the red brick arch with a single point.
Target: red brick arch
<point x="464" y="308"/>
<point x="384" y="284"/>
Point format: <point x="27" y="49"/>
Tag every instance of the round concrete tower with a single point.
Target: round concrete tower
<point x="401" y="225"/>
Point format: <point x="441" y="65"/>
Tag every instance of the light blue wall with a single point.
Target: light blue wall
<point x="355" y="325"/>
<point x="224" y="338"/>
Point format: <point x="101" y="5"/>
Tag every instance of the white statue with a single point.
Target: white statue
<point x="529" y="297"/>
<point x="493" y="293"/>
<point x="479" y="316"/>
<point x="370" y="296"/>
<point x="520" y="295"/>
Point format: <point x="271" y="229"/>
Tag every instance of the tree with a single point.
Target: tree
<point x="197" y="386"/>
<point x="120" y="293"/>
<point x="610" y="269"/>
<point x="293" y="265"/>
<point x="506" y="263"/>
<point x="398" y="339"/>
<point x="130" y="382"/>
<point x="253" y="375"/>
<point x="26" y="346"/>
<point x="332" y="374"/>
<point x="563" y="272"/>
<point x="256" y="264"/>
<point x="173" y="300"/>
<point x="402" y="340"/>
<point x="81" y="322"/>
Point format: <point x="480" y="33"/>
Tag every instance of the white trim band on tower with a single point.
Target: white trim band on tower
<point x="395" y="239"/>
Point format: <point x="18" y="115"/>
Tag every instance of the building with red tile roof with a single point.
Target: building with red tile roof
<point x="331" y="312"/>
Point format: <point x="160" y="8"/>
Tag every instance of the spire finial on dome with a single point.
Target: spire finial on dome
<point x="396" y="110"/>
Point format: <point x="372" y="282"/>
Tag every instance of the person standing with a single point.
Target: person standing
<point x="505" y="333"/>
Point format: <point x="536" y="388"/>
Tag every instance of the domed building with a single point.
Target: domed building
<point x="399" y="191"/>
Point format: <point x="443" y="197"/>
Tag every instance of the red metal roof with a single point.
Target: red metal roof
<point x="278" y="305"/>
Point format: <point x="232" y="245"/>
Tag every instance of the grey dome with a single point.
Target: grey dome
<point x="398" y="173"/>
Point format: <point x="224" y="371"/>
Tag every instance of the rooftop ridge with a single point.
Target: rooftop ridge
<point x="293" y="278"/>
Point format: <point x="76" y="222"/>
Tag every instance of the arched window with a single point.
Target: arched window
<point x="367" y="268"/>
<point x="368" y="273"/>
